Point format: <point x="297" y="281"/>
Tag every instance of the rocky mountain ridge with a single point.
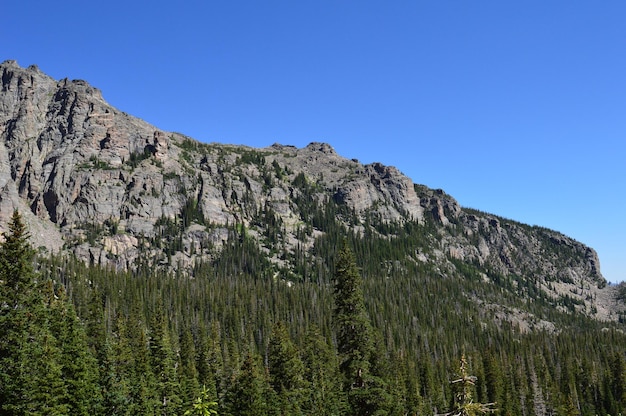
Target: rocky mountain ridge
<point x="115" y="190"/>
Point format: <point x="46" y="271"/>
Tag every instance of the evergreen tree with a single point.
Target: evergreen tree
<point x="493" y="378"/>
<point x="42" y="389"/>
<point x="464" y="387"/>
<point x="187" y="371"/>
<point x="618" y="379"/>
<point x="248" y="392"/>
<point x="354" y="338"/>
<point x="325" y="396"/>
<point x="16" y="267"/>
<point x="202" y="405"/>
<point x="114" y="381"/>
<point x="210" y="363"/>
<point x="95" y="323"/>
<point x="223" y="313"/>
<point x="135" y="377"/>
<point x="367" y="392"/>
<point x="30" y="370"/>
<point x="286" y="370"/>
<point x="79" y="367"/>
<point x="163" y="366"/>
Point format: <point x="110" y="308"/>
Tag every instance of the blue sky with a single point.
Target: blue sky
<point x="517" y="108"/>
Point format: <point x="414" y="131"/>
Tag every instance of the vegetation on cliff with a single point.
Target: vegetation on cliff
<point x="362" y="332"/>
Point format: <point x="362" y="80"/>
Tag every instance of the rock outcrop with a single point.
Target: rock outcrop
<point x="113" y="189"/>
<point x="75" y="163"/>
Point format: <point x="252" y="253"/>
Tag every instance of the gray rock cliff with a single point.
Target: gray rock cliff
<point x="113" y="189"/>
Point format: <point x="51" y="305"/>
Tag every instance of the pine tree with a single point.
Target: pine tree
<point x="210" y="363"/>
<point x="367" y="392"/>
<point x="43" y="390"/>
<point x="286" y="370"/>
<point x="325" y="395"/>
<point x="202" y="405"/>
<point x="618" y="379"/>
<point x="164" y="367"/>
<point x="30" y="370"/>
<point x="463" y="387"/>
<point x="248" y="392"/>
<point x="78" y="366"/>
<point x="133" y="381"/>
<point x="187" y="371"/>
<point x="354" y="339"/>
<point x="114" y="383"/>
<point x="16" y="268"/>
<point x="493" y="378"/>
<point x="285" y="366"/>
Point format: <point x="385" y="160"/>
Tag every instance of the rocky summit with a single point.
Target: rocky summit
<point x="116" y="191"/>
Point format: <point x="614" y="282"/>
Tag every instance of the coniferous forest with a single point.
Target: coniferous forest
<point x="352" y="329"/>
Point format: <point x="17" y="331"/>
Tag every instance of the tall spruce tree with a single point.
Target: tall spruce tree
<point x="30" y="371"/>
<point x="286" y="370"/>
<point x="210" y="363"/>
<point x="248" y="393"/>
<point x="79" y="367"/>
<point x="163" y="365"/>
<point x="464" y="386"/>
<point x="187" y="371"/>
<point x="325" y="395"/>
<point x="354" y="339"/>
<point x="367" y="393"/>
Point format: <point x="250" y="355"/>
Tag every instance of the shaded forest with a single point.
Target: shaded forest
<point x="354" y="328"/>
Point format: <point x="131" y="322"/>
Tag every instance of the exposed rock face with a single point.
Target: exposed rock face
<point x="111" y="188"/>
<point x="543" y="259"/>
<point x="75" y="162"/>
<point x="60" y="142"/>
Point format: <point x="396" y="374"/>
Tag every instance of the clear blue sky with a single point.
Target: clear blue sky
<point x="517" y="108"/>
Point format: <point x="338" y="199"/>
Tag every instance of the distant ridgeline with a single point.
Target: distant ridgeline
<point x="191" y="264"/>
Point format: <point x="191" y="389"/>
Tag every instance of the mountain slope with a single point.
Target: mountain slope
<point x="117" y="191"/>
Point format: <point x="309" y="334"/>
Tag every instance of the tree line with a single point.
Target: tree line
<point x="363" y="332"/>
